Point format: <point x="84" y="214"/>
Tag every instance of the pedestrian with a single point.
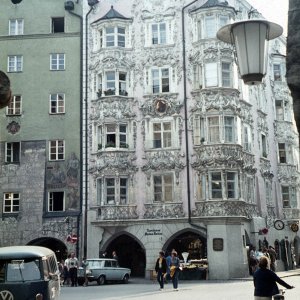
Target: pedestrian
<point x="61" y="265"/>
<point x="67" y="279"/>
<point x="168" y="260"/>
<point x="161" y="269"/>
<point x="253" y="262"/>
<point x="174" y="269"/>
<point x="84" y="265"/>
<point x="265" y="281"/>
<point x="73" y="267"/>
<point x="114" y="255"/>
<point x="272" y="254"/>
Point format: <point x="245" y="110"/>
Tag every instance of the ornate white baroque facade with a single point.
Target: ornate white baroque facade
<point x="181" y="154"/>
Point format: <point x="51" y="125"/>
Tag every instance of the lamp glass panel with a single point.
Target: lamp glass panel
<point x="250" y="46"/>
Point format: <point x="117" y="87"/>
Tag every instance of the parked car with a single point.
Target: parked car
<point x="103" y="270"/>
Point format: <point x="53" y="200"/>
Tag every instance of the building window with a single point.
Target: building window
<point x="57" y="150"/>
<point x="11" y="203"/>
<point x="15" y="63"/>
<point x="16" y="26"/>
<point x="277" y="72"/>
<point x="57" y="61"/>
<point x="56" y="201"/>
<point x="115" y="36"/>
<point x="57" y="103"/>
<point x="163" y="188"/>
<point x="115" y="83"/>
<point x="248" y="189"/>
<point x="226" y="74"/>
<point x="15" y="106"/>
<point x="162" y="135"/>
<point x="116" y="190"/>
<point x="213" y="129"/>
<point x="264" y="146"/>
<point x="229" y="129"/>
<point x="211" y="74"/>
<point x="12" y="152"/>
<point x="285" y="192"/>
<point x="114" y="135"/>
<point x="159" y="34"/>
<point x="282" y="153"/>
<point x="280" y="108"/>
<point x="210" y="27"/>
<point x="247" y="138"/>
<point x="268" y="190"/>
<point x="58" y="25"/>
<point x="223" y="184"/>
<point x="160" y="80"/>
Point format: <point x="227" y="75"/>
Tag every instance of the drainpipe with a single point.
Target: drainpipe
<point x="186" y="119"/>
<point x="81" y="122"/>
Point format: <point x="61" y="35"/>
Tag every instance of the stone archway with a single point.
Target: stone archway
<point x="188" y="240"/>
<point x="57" y="246"/>
<point x="131" y="254"/>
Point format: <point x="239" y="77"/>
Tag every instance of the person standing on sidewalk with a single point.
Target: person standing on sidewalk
<point x="265" y="281"/>
<point x="161" y="269"/>
<point x="73" y="267"/>
<point x="174" y="269"/>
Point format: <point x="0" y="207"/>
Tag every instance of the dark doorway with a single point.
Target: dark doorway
<point x="190" y="242"/>
<point x="130" y="254"/>
<point x="55" y="245"/>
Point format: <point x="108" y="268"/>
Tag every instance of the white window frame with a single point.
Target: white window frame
<point x="51" y="201"/>
<point x="159" y="77"/>
<point x="162" y="134"/>
<point x="57" y="61"/>
<point x="56" y="150"/>
<point x="57" y="103"/>
<point x="222" y="186"/>
<point x="210" y="30"/>
<point x="163" y="188"/>
<point x="268" y="192"/>
<point x="282" y="153"/>
<point x="249" y="188"/>
<point x="15" y="63"/>
<point x="264" y="150"/>
<point x="286" y="196"/>
<point x="15" y="106"/>
<point x="16" y="27"/>
<point x="115" y="38"/>
<point x="12" y="152"/>
<point x="159" y="37"/>
<point x="226" y="69"/>
<point x="118" y="187"/>
<point x="213" y="129"/>
<point x="280" y="110"/>
<point x="277" y="72"/>
<point x="11" y="201"/>
<point x="116" y="85"/>
<point x="211" y="74"/>
<point x="247" y="140"/>
<point x="120" y="136"/>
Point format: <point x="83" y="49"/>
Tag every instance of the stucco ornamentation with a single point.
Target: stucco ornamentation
<point x="225" y="208"/>
<point x="150" y="106"/>
<point x="228" y="156"/>
<point x="163" y="160"/>
<point x="161" y="211"/>
<point x="287" y="174"/>
<point x="118" y="212"/>
<point x="265" y="169"/>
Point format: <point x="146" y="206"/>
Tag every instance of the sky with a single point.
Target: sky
<point x="273" y="10"/>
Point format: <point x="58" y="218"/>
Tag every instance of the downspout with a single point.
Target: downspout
<point x="81" y="122"/>
<point x="186" y="119"/>
<point x="86" y="133"/>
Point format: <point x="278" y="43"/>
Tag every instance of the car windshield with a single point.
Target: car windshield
<point x="20" y="270"/>
<point x="95" y="263"/>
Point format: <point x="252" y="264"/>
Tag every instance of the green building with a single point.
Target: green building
<point x="40" y="132"/>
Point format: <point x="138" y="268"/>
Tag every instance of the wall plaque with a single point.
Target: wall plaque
<point x="218" y="244"/>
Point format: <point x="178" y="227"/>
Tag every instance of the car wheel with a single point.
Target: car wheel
<point x="101" y="280"/>
<point x="81" y="281"/>
<point x="125" y="278"/>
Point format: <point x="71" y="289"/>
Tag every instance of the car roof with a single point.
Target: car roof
<point x="18" y="252"/>
<point x="102" y="259"/>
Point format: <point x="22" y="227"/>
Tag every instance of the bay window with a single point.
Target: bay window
<point x="223" y="184"/>
<point x="112" y="135"/>
<point x="115" y="83"/>
<point x="114" y="36"/>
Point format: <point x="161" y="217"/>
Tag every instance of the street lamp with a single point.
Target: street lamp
<point x="249" y="38"/>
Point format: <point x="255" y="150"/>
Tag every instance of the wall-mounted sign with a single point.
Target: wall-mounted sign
<point x="218" y="244"/>
<point x="153" y="232"/>
<point x="294" y="227"/>
<point x="279" y="225"/>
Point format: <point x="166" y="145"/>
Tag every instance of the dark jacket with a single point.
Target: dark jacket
<point x="164" y="266"/>
<point x="265" y="283"/>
